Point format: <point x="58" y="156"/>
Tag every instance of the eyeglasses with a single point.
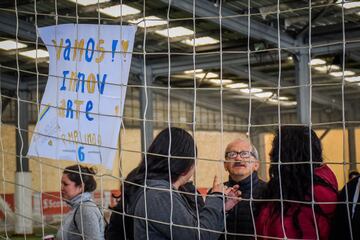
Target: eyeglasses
<point x="242" y="154"/>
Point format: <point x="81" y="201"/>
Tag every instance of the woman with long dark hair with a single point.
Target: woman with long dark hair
<point x="152" y="203"/>
<point x="299" y="189"/>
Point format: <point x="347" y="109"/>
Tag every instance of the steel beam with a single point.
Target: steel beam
<point x="27" y="31"/>
<point x="209" y="61"/>
<point x="354" y="55"/>
<point x="302" y="72"/>
<point x="272" y="82"/>
<point x="352" y="148"/>
<point x="255" y="75"/>
<point x="23" y="194"/>
<point x="22" y="142"/>
<point x="212" y="103"/>
<point x="324" y="134"/>
<point x="146" y="109"/>
<point x="330" y="47"/>
<point x="9" y="24"/>
<point x="8" y="82"/>
<point x="212" y="60"/>
<point x="239" y="24"/>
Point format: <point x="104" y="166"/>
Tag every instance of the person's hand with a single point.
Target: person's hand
<point x="233" y="196"/>
<point x="232" y="193"/>
<point x="217" y="185"/>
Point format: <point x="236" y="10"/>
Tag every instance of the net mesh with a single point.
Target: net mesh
<point x="222" y="70"/>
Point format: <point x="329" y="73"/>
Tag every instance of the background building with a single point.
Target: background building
<point x="220" y="69"/>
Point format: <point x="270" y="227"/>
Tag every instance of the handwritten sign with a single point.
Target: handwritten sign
<point x="82" y="106"/>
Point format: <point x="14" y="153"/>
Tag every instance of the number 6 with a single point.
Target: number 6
<point x="81" y="154"/>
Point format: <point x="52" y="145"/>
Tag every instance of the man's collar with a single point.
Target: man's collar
<point x="246" y="182"/>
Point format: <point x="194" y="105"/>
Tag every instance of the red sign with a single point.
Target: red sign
<point x="51" y="203"/>
<point x="9" y="199"/>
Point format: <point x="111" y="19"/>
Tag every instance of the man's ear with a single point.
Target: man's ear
<point x="225" y="167"/>
<point x="256" y="165"/>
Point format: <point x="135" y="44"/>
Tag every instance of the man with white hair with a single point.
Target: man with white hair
<point x="242" y="163"/>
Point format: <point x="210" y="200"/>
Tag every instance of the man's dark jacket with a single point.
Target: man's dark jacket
<point x="239" y="220"/>
<point x="341" y="226"/>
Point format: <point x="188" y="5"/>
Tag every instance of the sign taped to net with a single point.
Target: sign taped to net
<point x="82" y="106"/>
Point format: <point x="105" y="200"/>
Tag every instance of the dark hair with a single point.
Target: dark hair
<point x="173" y="142"/>
<point x="171" y="145"/>
<point x="87" y="176"/>
<point x="353" y="174"/>
<point x="298" y="151"/>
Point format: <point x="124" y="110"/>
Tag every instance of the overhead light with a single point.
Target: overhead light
<point x="10" y="45"/>
<point x="36" y="53"/>
<point x="149" y="21"/>
<point x="193" y="71"/>
<point x="353" y="79"/>
<point x="348" y="5"/>
<point x="175" y="32"/>
<point x="220" y="81"/>
<point x="344" y="73"/>
<point x="206" y="75"/>
<point x="252" y="90"/>
<point x="288" y="103"/>
<point x="323" y="69"/>
<point x="326" y="68"/>
<point x="237" y="85"/>
<point x="201" y="41"/>
<point x="290" y="58"/>
<point x="317" y="61"/>
<point x="271" y="100"/>
<point x="119" y="10"/>
<point x="89" y="2"/>
<point x="263" y="94"/>
<point x="283" y="98"/>
<point x="334" y="67"/>
<point x="284" y="103"/>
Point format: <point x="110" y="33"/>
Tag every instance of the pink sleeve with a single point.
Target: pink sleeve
<point x="306" y="222"/>
<point x="326" y="195"/>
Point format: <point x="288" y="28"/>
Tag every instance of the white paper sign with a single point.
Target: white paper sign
<point x="82" y="107"/>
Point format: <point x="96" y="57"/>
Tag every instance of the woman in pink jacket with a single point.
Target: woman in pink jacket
<point x="296" y="198"/>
